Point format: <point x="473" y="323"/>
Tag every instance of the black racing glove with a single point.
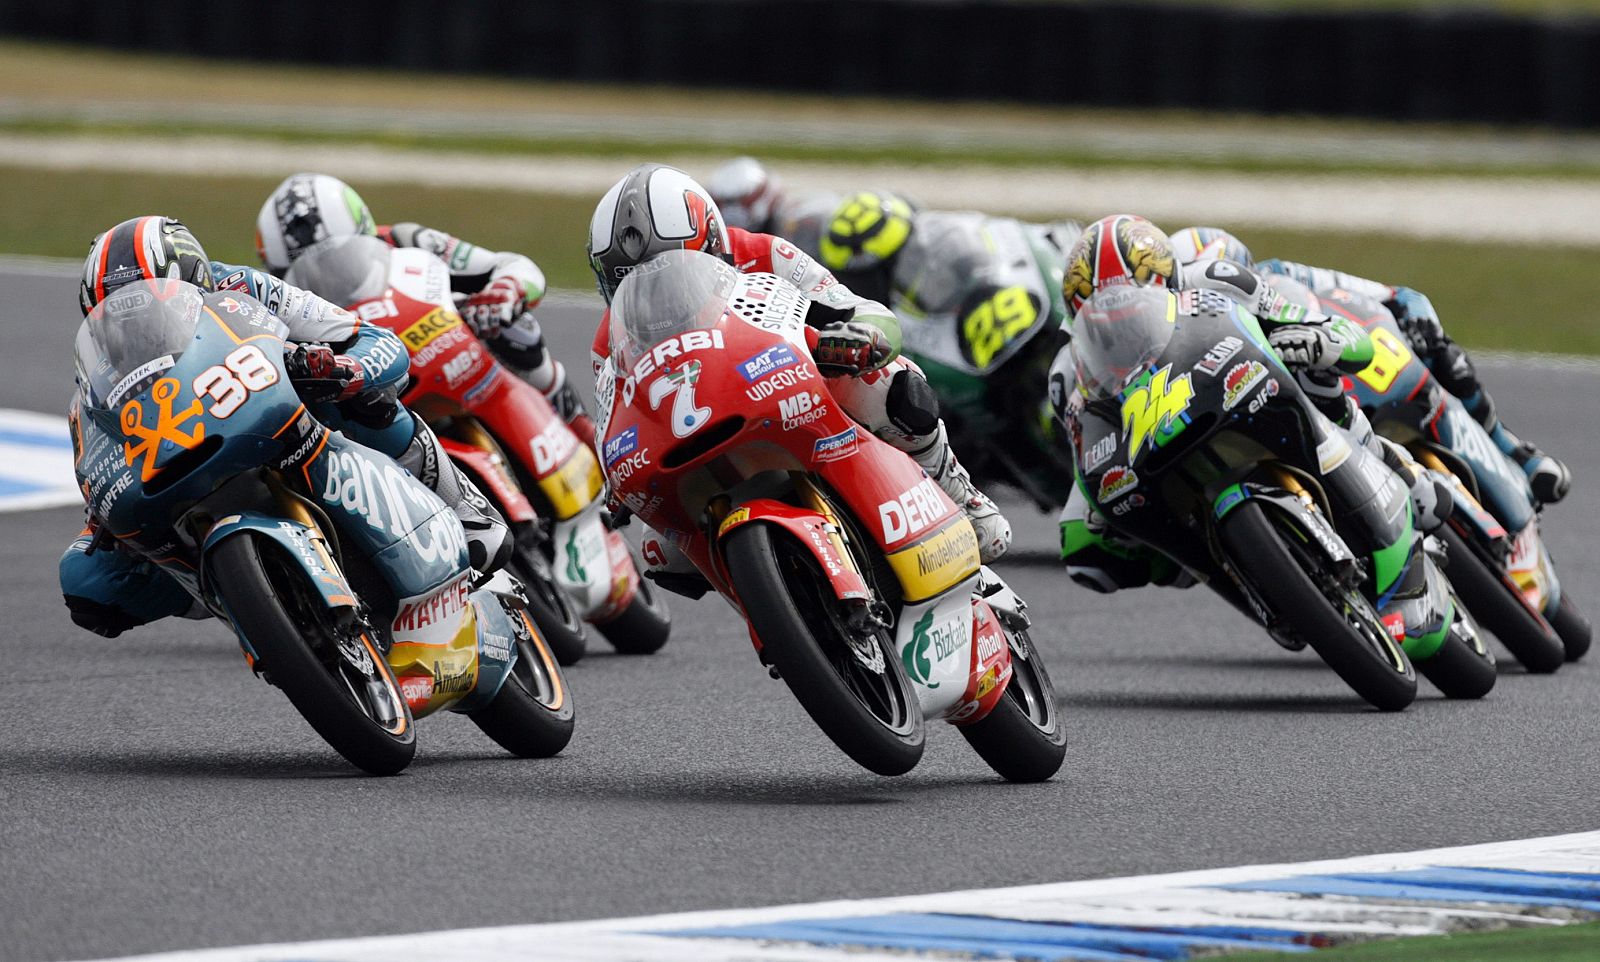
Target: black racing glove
<point x="320" y="374"/>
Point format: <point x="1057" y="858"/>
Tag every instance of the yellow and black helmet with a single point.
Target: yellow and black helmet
<point x="867" y="229"/>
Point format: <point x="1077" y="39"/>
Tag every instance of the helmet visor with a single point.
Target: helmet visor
<point x="133" y="336"/>
<point x="1117" y="334"/>
<point x="344" y="270"/>
<point x="673" y="292"/>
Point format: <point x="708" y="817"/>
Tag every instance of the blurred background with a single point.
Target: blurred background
<point x="1452" y="147"/>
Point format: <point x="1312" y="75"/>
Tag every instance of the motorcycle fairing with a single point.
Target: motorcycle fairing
<point x="302" y="542"/>
<point x="811" y="530"/>
<point x="585" y="566"/>
<point x="952" y="648"/>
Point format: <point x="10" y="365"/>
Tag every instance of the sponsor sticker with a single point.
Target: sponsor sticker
<point x="758" y="366"/>
<point x="1100" y="452"/>
<point x="1115" y="483"/>
<point x="1218" y="355"/>
<point x="1241" y="380"/>
<point x="621" y="445"/>
<point x="835" y="447"/>
<point x="912" y="512"/>
<point x="434" y="323"/>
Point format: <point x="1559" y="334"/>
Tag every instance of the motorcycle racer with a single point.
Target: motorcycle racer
<point x="349" y="374"/>
<point x="655" y="208"/>
<point x="495" y="291"/>
<point x="753" y="198"/>
<point x="979" y="303"/>
<point x="1446" y="360"/>
<point x="1124" y="249"/>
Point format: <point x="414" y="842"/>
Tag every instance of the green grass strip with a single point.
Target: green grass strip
<point x="1567" y="943"/>
<point x="1499" y="297"/>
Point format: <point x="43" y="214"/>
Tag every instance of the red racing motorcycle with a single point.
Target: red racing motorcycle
<point x="858" y="578"/>
<point x="506" y="436"/>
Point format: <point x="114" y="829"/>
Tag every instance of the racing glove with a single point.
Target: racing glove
<point x="851" y="347"/>
<point x="319" y="374"/>
<point x="494" y="307"/>
<point x="1306" y="345"/>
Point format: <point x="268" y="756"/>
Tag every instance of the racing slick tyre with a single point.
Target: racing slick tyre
<point x="531" y="716"/>
<point x="334" y="674"/>
<point x="1463" y="667"/>
<point x="1334" y="617"/>
<point x="856" y="692"/>
<point x="1498" y="606"/>
<point x="1023" y="738"/>
<point x="552" y="609"/>
<point x="1572" y="626"/>
<point x="642" y="627"/>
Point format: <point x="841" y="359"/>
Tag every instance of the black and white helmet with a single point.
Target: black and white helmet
<point x="654" y="208"/>
<point x="305" y="209"/>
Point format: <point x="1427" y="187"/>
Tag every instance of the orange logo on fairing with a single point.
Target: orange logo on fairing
<point x="169" y="427"/>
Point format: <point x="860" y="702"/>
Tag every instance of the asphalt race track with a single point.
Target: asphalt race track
<point x="154" y="795"/>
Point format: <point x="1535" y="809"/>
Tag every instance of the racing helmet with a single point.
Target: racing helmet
<point x="142" y="248"/>
<point x="1120" y="249"/>
<point x="655" y="208"/>
<point x="747" y="193"/>
<point x="1209" y="244"/>
<point x="304" y="209"/>
<point x="867" y="230"/>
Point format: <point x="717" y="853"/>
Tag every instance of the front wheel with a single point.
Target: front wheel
<point x="1463" y="667"/>
<point x="531" y="716"/>
<point x="1330" y="614"/>
<point x="1499" y="606"/>
<point x="642" y="627"/>
<point x="852" y="687"/>
<point x="1023" y="737"/>
<point x="334" y="674"/>
<point x="1572" y="626"/>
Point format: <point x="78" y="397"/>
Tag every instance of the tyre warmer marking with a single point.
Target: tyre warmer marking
<point x="1285" y="908"/>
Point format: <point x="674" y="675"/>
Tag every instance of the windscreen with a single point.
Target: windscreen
<point x="673" y="292"/>
<point x="1117" y="333"/>
<point x="344" y="270"/>
<point x="133" y="336"/>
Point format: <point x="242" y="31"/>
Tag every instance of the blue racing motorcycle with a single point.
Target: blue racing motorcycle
<point x="344" y="578"/>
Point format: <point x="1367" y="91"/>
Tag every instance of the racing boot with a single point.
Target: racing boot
<point x="521" y="346"/>
<point x="1430" y="494"/>
<point x="939" y="460"/>
<point x="489" y="541"/>
<point x="1549" y="478"/>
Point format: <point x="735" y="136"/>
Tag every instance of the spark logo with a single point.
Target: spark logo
<point x="1153" y="408"/>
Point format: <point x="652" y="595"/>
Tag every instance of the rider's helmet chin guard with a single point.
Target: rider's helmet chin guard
<point x="867" y="232"/>
<point x="746" y="193"/>
<point x="654" y="209"/>
<point x="142" y="248"/>
<point x="1209" y="244"/>
<point x="1116" y="250"/>
<point x="305" y="209"/>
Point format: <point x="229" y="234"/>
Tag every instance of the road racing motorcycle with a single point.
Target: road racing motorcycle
<point x="505" y="435"/>
<point x="344" y="579"/>
<point x="1194" y="439"/>
<point x="1495" y="553"/>
<point x="858" y="578"/>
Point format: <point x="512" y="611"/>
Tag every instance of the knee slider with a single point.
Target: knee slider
<point x="912" y="406"/>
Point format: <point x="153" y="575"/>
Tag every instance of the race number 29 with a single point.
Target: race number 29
<point x="993" y="323"/>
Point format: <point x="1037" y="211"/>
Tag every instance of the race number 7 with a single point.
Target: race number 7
<point x="229" y="384"/>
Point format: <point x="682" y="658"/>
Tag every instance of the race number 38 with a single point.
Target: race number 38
<point x="993" y="323"/>
<point x="230" y="383"/>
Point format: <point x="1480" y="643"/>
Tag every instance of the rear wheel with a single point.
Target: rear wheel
<point x="1463" y="667"/>
<point x="1499" y="606"/>
<point x="1333" y="616"/>
<point x="852" y="686"/>
<point x="1023" y="737"/>
<point x="531" y="715"/>
<point x="333" y="673"/>
<point x="642" y="627"/>
<point x="1572" y="626"/>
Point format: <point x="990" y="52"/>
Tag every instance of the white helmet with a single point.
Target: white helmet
<point x="1209" y="244"/>
<point x="654" y="208"/>
<point x="307" y="208"/>
<point x="747" y="193"/>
